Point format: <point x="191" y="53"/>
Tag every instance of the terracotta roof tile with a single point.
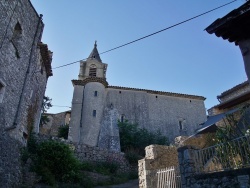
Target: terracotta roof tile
<point x="235" y="88"/>
<point x="46" y="57"/>
<point x="160" y="92"/>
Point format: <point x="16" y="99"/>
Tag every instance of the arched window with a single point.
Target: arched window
<point x="17" y="31"/>
<point x="92" y="70"/>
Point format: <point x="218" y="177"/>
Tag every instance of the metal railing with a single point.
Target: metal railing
<point x="169" y="177"/>
<point x="234" y="154"/>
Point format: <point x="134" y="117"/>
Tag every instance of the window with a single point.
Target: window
<point x="95" y="94"/>
<point x="2" y="90"/>
<point x="180" y="125"/>
<point x="17" y="30"/>
<point x="92" y="70"/>
<point x="122" y="118"/>
<point x="17" y="33"/>
<point x="94" y="113"/>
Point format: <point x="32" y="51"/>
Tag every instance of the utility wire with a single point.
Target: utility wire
<point x="61" y="106"/>
<point x="152" y="33"/>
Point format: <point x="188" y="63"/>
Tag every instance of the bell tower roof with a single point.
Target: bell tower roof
<point x="95" y="54"/>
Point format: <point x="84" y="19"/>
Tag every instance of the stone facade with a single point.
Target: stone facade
<point x="157" y="157"/>
<point x="25" y="67"/>
<point x="55" y="122"/>
<point x="96" y="108"/>
<point x="236" y="97"/>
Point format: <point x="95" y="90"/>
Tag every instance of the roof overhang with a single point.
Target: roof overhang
<point x="210" y="125"/>
<point x="233" y="27"/>
<point x="235" y="101"/>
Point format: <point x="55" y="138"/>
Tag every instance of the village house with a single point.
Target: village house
<point x="25" y="68"/>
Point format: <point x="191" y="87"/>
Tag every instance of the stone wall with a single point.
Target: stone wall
<point x="10" y="163"/>
<point x="190" y="179"/>
<point x="95" y="154"/>
<point x="55" y="121"/>
<point x="25" y="66"/>
<point x="157" y="157"/>
<point x="92" y="154"/>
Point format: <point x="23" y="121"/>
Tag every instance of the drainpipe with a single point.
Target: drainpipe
<point x="26" y="75"/>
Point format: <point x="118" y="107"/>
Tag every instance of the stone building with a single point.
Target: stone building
<point x="25" y="67"/>
<point x="97" y="107"/>
<point x="55" y="122"/>
<point x="236" y="97"/>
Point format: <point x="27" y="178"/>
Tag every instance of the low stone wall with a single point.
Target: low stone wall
<point x="230" y="179"/>
<point x="157" y="157"/>
<point x="95" y="154"/>
<point x="92" y="154"/>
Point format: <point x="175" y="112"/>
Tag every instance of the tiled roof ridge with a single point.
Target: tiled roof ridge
<point x="160" y="92"/>
<point x="234" y="13"/>
<point x="90" y="79"/>
<point x="233" y="89"/>
<point x="47" y="58"/>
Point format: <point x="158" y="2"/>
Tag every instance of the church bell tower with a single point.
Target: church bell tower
<point x="88" y="100"/>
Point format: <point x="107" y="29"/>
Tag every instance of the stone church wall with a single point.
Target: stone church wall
<point x="158" y="112"/>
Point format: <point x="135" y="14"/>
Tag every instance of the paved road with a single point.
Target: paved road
<point x="130" y="184"/>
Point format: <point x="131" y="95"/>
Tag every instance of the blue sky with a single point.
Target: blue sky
<point x="184" y="59"/>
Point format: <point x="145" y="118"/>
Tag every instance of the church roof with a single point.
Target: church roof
<point x="95" y="54"/>
<point x="234" y="26"/>
<point x="160" y="92"/>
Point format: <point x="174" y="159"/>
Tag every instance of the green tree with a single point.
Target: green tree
<point x="63" y="131"/>
<point x="133" y="140"/>
<point x="45" y="106"/>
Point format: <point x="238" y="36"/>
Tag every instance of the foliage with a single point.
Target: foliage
<point x="53" y="161"/>
<point x="134" y="140"/>
<point x="63" y="131"/>
<point x="57" y="159"/>
<point x="235" y="125"/>
<point x="230" y="152"/>
<point x="132" y="155"/>
<point x="45" y="106"/>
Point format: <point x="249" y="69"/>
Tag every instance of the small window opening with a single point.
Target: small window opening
<point x="25" y="135"/>
<point x="17" y="30"/>
<point x="15" y="38"/>
<point x="94" y="113"/>
<point x="122" y="118"/>
<point x="120" y="92"/>
<point x="180" y="125"/>
<point x="2" y="90"/>
<point x="92" y="72"/>
<point x="95" y="94"/>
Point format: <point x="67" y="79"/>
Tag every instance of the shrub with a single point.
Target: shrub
<point x="132" y="137"/>
<point x="57" y="159"/>
<point x="63" y="131"/>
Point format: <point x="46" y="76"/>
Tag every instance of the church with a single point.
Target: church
<point x="97" y="107"/>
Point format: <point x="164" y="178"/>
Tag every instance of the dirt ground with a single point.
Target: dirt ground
<point x="130" y="184"/>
